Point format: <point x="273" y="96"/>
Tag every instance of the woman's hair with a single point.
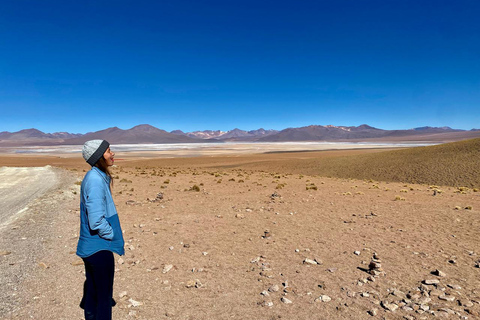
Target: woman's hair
<point x="102" y="165"/>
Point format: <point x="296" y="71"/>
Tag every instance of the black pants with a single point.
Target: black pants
<point x="97" y="298"/>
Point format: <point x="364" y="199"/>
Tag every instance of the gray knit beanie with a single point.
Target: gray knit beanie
<point x="93" y="150"/>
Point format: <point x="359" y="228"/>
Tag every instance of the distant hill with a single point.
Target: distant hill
<point x="139" y="134"/>
<point x="148" y="134"/>
<point x="367" y="133"/>
<point x="452" y="164"/>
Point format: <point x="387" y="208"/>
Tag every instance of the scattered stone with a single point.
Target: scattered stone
<point x="424" y="307"/>
<point x="447" y="297"/>
<point x="194" y="283"/>
<point x="267" y="304"/>
<point x="439" y="273"/>
<point x="274" y="288"/>
<point x="389" y="306"/>
<point x="375" y="264"/>
<point x="77" y="263"/>
<point x="424" y="300"/>
<point x="167" y="268"/>
<point x="134" y="303"/>
<point x="454" y="286"/>
<point x="285" y="300"/>
<point x="373" y="312"/>
<point x="436" y="293"/>
<point x="240" y="216"/>
<point x="431" y="281"/>
<point x="309" y="261"/>
<point x="466" y="303"/>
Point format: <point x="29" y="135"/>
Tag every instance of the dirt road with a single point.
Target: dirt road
<point x="19" y="186"/>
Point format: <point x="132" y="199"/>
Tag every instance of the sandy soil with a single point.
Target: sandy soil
<point x="19" y="186"/>
<point x="220" y="235"/>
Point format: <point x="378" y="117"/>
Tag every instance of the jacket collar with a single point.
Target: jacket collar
<point x="103" y="174"/>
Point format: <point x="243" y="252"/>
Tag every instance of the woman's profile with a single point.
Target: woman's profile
<point x="100" y="232"/>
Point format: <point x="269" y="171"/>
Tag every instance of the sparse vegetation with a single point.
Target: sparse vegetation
<point x="311" y="186"/>
<point x="194" y="188"/>
<point x="450" y="164"/>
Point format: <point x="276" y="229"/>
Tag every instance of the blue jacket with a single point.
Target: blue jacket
<point x="99" y="224"/>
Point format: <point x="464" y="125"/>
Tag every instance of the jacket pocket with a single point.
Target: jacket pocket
<point x="117" y="229"/>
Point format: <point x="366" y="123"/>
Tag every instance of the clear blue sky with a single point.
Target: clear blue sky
<point x="86" y="65"/>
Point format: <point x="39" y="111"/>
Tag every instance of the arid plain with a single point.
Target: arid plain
<point x="347" y="234"/>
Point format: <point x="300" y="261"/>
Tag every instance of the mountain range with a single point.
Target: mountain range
<point x="148" y="134"/>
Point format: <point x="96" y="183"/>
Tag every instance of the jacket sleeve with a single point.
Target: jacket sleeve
<point x="96" y="205"/>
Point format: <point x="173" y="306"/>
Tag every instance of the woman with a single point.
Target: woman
<point x="100" y="232"/>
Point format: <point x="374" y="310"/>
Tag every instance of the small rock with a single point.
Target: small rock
<point x="240" y="216"/>
<point x="454" y="286"/>
<point x="274" y="288"/>
<point x="389" y="306"/>
<point x="309" y="261"/>
<point x="424" y="307"/>
<point x="264" y="293"/>
<point x="134" y="303"/>
<point x="431" y="281"/>
<point x="167" y="268"/>
<point x="122" y="294"/>
<point x="170" y="248"/>
<point x="357" y="253"/>
<point x="325" y="298"/>
<point x="267" y="304"/>
<point x="285" y="300"/>
<point x="447" y="298"/>
<point x="466" y="303"/>
<point x="373" y="312"/>
<point x="439" y="273"/>
<point x="121" y="260"/>
<point x="77" y="263"/>
<point x="5" y="253"/>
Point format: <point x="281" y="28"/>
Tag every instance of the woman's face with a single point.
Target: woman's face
<point x="108" y="156"/>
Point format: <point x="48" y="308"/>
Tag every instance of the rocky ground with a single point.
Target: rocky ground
<point x="206" y="243"/>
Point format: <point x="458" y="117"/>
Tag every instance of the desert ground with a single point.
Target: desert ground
<point x="246" y="236"/>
